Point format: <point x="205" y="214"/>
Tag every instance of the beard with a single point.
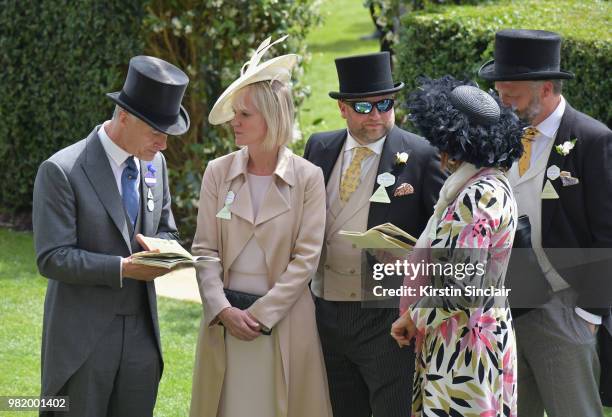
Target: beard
<point x="532" y="110"/>
<point x="365" y="135"/>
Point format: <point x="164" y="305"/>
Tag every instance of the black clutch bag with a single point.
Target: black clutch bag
<point x="243" y="300"/>
<point x="239" y="299"/>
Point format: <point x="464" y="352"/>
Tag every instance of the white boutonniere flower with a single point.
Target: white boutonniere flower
<point x="401" y="158"/>
<point x="565" y="147"/>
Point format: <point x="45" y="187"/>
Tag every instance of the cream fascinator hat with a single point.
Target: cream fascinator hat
<point x="278" y="68"/>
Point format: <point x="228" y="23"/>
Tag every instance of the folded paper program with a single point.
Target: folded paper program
<point x="168" y="254"/>
<point x="383" y="236"/>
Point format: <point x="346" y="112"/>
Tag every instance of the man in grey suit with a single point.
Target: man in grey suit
<point x="92" y="201"/>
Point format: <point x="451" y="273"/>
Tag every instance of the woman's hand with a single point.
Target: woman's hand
<point x="403" y="330"/>
<point x="240" y="324"/>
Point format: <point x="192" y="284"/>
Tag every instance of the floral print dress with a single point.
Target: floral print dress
<point x="466" y="356"/>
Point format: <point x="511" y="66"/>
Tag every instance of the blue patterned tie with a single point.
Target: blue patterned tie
<point x="129" y="185"/>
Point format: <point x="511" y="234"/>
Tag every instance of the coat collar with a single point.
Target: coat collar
<point x="555" y="158"/>
<point x="98" y="170"/>
<point x="284" y="166"/>
<point x="393" y="145"/>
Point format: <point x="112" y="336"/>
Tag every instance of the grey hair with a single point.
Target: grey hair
<point x="557" y="85"/>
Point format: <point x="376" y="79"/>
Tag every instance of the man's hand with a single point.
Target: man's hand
<point x="240" y="324"/>
<point x="140" y="272"/>
<point x="403" y="330"/>
<point x="139" y="239"/>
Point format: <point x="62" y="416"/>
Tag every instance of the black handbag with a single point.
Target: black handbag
<point x="243" y="301"/>
<point x="239" y="299"/>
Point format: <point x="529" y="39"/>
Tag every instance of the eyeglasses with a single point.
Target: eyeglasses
<point x="365" y="107"/>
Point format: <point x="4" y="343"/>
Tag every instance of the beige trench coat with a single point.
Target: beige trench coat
<point x="289" y="228"/>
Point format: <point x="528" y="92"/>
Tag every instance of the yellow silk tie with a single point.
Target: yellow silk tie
<point x="352" y="176"/>
<point x="528" y="135"/>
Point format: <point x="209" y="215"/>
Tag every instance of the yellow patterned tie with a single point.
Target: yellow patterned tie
<point x="528" y="135"/>
<point x="352" y="176"/>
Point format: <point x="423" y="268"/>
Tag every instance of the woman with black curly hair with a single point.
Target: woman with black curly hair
<point x="466" y="357"/>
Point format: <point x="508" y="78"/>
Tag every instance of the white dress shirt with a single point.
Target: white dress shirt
<point x="117" y="157"/>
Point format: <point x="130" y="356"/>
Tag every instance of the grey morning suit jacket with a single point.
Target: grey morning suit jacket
<point x="81" y="233"/>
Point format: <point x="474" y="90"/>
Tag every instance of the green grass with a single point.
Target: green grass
<point x="344" y="22"/>
<point x="21" y="312"/>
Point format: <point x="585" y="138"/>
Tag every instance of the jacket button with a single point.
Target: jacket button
<point x="326" y="266"/>
<point x="352" y="271"/>
<point x="353" y="295"/>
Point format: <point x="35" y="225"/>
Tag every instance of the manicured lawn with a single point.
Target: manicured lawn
<point x="21" y="309"/>
<point x="21" y="306"/>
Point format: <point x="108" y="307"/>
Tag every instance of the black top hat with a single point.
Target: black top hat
<point x="153" y="91"/>
<point x="465" y="122"/>
<point x="522" y="54"/>
<point x="365" y="76"/>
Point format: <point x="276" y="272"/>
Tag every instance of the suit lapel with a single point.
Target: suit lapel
<point x="242" y="205"/>
<point x="331" y="152"/>
<point x="147" y="216"/>
<point x="98" y="170"/>
<point x="274" y="204"/>
<point x="563" y="134"/>
<point x="378" y="211"/>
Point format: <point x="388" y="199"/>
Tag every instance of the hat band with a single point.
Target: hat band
<point x="379" y="86"/>
<point x="522" y="69"/>
<point x="157" y="117"/>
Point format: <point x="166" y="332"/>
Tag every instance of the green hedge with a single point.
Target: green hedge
<point x="60" y="57"/>
<point x="57" y="60"/>
<point x="211" y="40"/>
<point x="457" y="40"/>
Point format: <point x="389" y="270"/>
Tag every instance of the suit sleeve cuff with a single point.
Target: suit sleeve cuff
<point x="590" y="317"/>
<point x="121" y="273"/>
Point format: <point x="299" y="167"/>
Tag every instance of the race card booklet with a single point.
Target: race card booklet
<point x="383" y="236"/>
<point x="171" y="254"/>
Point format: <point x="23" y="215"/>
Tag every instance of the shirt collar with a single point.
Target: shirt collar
<point x="549" y="126"/>
<point x="375" y="147"/>
<point x="113" y="150"/>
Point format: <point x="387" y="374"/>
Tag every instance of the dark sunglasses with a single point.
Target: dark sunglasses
<point x="365" y="107"/>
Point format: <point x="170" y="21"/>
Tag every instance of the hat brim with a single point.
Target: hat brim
<point x="487" y="72"/>
<point x="339" y="95"/>
<point x="177" y="127"/>
<point x="278" y="68"/>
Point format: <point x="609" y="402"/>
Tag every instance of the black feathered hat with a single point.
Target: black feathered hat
<point x="465" y="122"/>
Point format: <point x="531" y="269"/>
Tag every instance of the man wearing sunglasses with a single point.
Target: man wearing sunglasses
<point x="367" y="372"/>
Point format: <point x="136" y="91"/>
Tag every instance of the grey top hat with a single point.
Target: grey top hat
<point x="153" y="91"/>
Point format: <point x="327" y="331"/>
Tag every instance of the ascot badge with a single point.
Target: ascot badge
<point x="383" y="180"/>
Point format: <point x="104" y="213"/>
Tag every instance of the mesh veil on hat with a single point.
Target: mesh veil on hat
<point x="278" y="68"/>
<point x="465" y="122"/>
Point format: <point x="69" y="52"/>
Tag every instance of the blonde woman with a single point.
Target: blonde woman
<point x="262" y="212"/>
